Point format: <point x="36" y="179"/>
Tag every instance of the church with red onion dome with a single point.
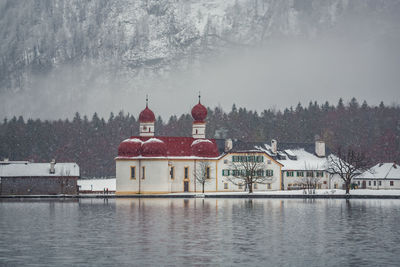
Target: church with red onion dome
<point x="150" y="164"/>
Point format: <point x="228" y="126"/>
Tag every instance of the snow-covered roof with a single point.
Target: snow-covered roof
<point x="197" y="141"/>
<point x="151" y="140"/>
<point x="382" y="171"/>
<point x="26" y="168"/>
<point x="305" y="161"/>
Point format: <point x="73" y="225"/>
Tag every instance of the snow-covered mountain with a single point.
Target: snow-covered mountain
<point x="79" y="50"/>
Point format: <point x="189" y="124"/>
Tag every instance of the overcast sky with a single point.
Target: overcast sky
<point x="358" y="58"/>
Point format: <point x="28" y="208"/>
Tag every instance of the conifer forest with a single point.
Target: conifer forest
<point x="93" y="141"/>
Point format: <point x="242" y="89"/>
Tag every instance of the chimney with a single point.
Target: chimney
<point x="274" y="146"/>
<point x="228" y="144"/>
<point x="52" y="166"/>
<point x="320" y="148"/>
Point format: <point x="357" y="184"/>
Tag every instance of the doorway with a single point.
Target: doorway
<point x="364" y="184"/>
<point x="185" y="186"/>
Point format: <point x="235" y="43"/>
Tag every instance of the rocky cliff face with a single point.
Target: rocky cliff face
<point x="47" y="44"/>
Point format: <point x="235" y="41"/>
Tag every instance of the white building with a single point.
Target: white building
<point x="301" y="163"/>
<point x="381" y="176"/>
<point x="150" y="165"/>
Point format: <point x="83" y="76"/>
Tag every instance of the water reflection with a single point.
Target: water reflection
<point x="275" y="232"/>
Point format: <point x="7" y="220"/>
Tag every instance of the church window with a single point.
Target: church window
<point x="172" y="172"/>
<point x="186" y="173"/>
<point x="208" y="172"/>
<point x="143" y="172"/>
<point x="133" y="172"/>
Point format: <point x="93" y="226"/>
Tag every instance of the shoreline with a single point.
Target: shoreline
<point x="207" y="195"/>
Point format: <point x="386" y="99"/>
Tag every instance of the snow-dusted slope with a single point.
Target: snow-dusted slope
<point x="46" y="44"/>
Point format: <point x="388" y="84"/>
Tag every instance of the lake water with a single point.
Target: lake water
<point x="154" y="232"/>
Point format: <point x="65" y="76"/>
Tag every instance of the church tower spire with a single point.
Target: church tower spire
<point x="146" y="120"/>
<point x="199" y="114"/>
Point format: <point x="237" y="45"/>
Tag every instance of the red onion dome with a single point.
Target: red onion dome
<point x="199" y="113"/>
<point x="147" y="115"/>
<point x="130" y="148"/>
<point x="154" y="148"/>
<point x="204" y="148"/>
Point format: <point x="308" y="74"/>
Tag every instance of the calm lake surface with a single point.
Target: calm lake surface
<point x="154" y="232"/>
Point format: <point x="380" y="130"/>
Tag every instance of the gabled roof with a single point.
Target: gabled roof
<point x="26" y="169"/>
<point x="293" y="156"/>
<point x="382" y="171"/>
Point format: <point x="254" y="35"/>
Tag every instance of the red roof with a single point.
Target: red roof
<point x="147" y="115"/>
<point x="199" y="113"/>
<point x="174" y="147"/>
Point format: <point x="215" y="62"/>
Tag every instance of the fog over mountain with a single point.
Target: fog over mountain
<point x="58" y="57"/>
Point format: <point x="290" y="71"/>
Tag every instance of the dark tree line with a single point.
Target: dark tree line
<point x="93" y="143"/>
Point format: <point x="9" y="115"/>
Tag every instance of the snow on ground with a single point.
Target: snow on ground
<point x="97" y="184"/>
<point x="100" y="184"/>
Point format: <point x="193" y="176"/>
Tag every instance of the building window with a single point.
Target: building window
<point x="374" y="183"/>
<point x="290" y="174"/>
<point x="260" y="173"/>
<point x="143" y="172"/>
<point x="240" y="186"/>
<point x="369" y="183"/>
<point x="269" y="173"/>
<point x="133" y="172"/>
<point x="225" y="161"/>
<point x="268" y="186"/>
<point x="391" y="183"/>
<point x="379" y="183"/>
<point x="300" y="174"/>
<point x="208" y="172"/>
<point x="172" y="172"/>
<point x="310" y="174"/>
<point x="225" y="185"/>
<point x="225" y="172"/>
<point x="320" y="174"/>
<point x="255" y="186"/>
<point x="186" y="174"/>
<point x="335" y="186"/>
<point x="325" y="182"/>
<point x="358" y="182"/>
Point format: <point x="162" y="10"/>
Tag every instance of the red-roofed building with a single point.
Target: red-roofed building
<point x="149" y="164"/>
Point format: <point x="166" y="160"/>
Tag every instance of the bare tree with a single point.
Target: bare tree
<point x="249" y="171"/>
<point x="347" y="163"/>
<point x="310" y="180"/>
<point x="203" y="173"/>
